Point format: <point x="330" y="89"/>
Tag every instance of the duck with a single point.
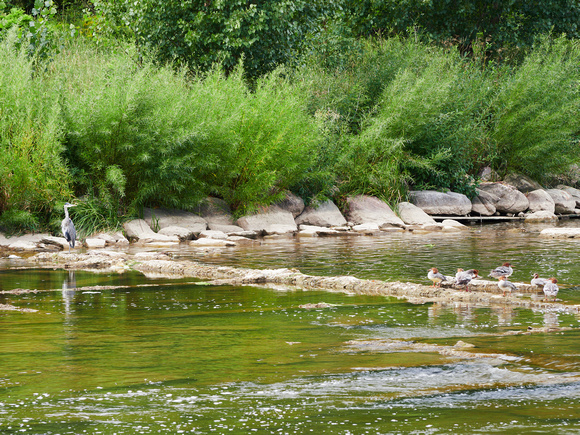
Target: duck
<point x="436" y="277"/>
<point x="538" y="282"/>
<point x="551" y="289"/>
<point x="503" y="270"/>
<point x="464" y="277"/>
<point x="506" y="285"/>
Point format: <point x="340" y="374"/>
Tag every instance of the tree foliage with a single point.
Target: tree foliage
<point x="200" y="33"/>
<point x="501" y="23"/>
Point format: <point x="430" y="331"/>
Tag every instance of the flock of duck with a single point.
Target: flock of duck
<point x="464" y="277"/>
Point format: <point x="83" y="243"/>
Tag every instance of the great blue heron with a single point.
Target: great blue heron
<point x="68" y="228"/>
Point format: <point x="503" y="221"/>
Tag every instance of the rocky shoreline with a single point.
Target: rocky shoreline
<point x="213" y="224"/>
<point x="159" y="264"/>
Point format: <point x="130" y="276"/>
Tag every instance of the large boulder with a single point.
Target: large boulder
<point x="540" y="200"/>
<point x="563" y="201"/>
<point x="522" y="182"/>
<point x="292" y="203"/>
<point x="440" y="203"/>
<point x="215" y="211"/>
<point x="160" y="218"/>
<point x="325" y="214"/>
<point x="575" y="193"/>
<point x="273" y="220"/>
<point x="510" y="199"/>
<point x="139" y="229"/>
<point x="484" y="203"/>
<point x="363" y="209"/>
<point x="413" y="215"/>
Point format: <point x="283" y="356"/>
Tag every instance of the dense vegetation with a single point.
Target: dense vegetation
<point x="124" y="106"/>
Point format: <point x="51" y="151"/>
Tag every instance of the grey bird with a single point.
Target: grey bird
<point x="68" y="228"/>
<point x="551" y="289"/>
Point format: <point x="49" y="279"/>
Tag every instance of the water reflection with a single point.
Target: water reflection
<point x="68" y="291"/>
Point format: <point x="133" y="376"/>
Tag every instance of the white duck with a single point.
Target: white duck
<point x="551" y="289"/>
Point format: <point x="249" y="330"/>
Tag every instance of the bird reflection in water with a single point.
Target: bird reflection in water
<point x="68" y="290"/>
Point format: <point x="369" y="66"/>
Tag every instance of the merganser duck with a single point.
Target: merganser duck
<point x="538" y="282"/>
<point x="551" y="289"/>
<point x="505" y="285"/>
<point x="464" y="277"/>
<point x="503" y="270"/>
<point x="436" y="277"/>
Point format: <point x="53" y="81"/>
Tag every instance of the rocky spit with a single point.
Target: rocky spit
<point x="482" y="292"/>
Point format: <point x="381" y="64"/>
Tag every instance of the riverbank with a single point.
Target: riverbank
<point x="482" y="292"/>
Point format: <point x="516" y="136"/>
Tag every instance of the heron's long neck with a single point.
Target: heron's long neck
<point x="66" y="212"/>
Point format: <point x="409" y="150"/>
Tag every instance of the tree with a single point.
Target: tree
<point x="200" y="33"/>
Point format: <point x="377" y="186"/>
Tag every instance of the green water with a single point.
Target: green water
<point x="177" y="356"/>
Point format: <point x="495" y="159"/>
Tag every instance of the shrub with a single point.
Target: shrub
<point x="33" y="174"/>
<point x="138" y="134"/>
<point x="536" y="111"/>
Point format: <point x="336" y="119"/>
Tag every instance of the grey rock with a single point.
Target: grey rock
<point x="510" y="200"/>
<point x="272" y="220"/>
<point x="540" y="200"/>
<point x="522" y="182"/>
<point x="368" y="228"/>
<point x="575" y="193"/>
<point x="440" y="203"/>
<point x="215" y="211"/>
<point x="160" y="218"/>
<point x="292" y="203"/>
<point x="316" y="231"/>
<point x="454" y="224"/>
<point x="413" y="215"/>
<point x="541" y="216"/>
<point x="212" y="234"/>
<point x="139" y="229"/>
<point x="95" y="243"/>
<point x="488" y="174"/>
<point x="180" y="232"/>
<point x="224" y="228"/>
<point x="363" y="209"/>
<point x="483" y="203"/>
<point x="563" y="201"/>
<point x="325" y="214"/>
<point x="561" y="233"/>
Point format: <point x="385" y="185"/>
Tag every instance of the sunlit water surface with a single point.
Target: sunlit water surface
<point x="178" y="356"/>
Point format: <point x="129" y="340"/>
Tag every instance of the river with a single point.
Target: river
<point x="161" y="355"/>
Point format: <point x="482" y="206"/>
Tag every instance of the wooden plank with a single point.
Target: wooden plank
<point x="495" y="218"/>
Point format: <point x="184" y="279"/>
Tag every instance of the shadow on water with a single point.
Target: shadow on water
<point x="179" y="357"/>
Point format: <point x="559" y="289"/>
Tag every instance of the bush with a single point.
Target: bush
<point x="33" y="174"/>
<point x="537" y="110"/>
<point x="139" y="135"/>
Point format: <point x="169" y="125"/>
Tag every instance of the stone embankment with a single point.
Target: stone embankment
<point x="482" y="292"/>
